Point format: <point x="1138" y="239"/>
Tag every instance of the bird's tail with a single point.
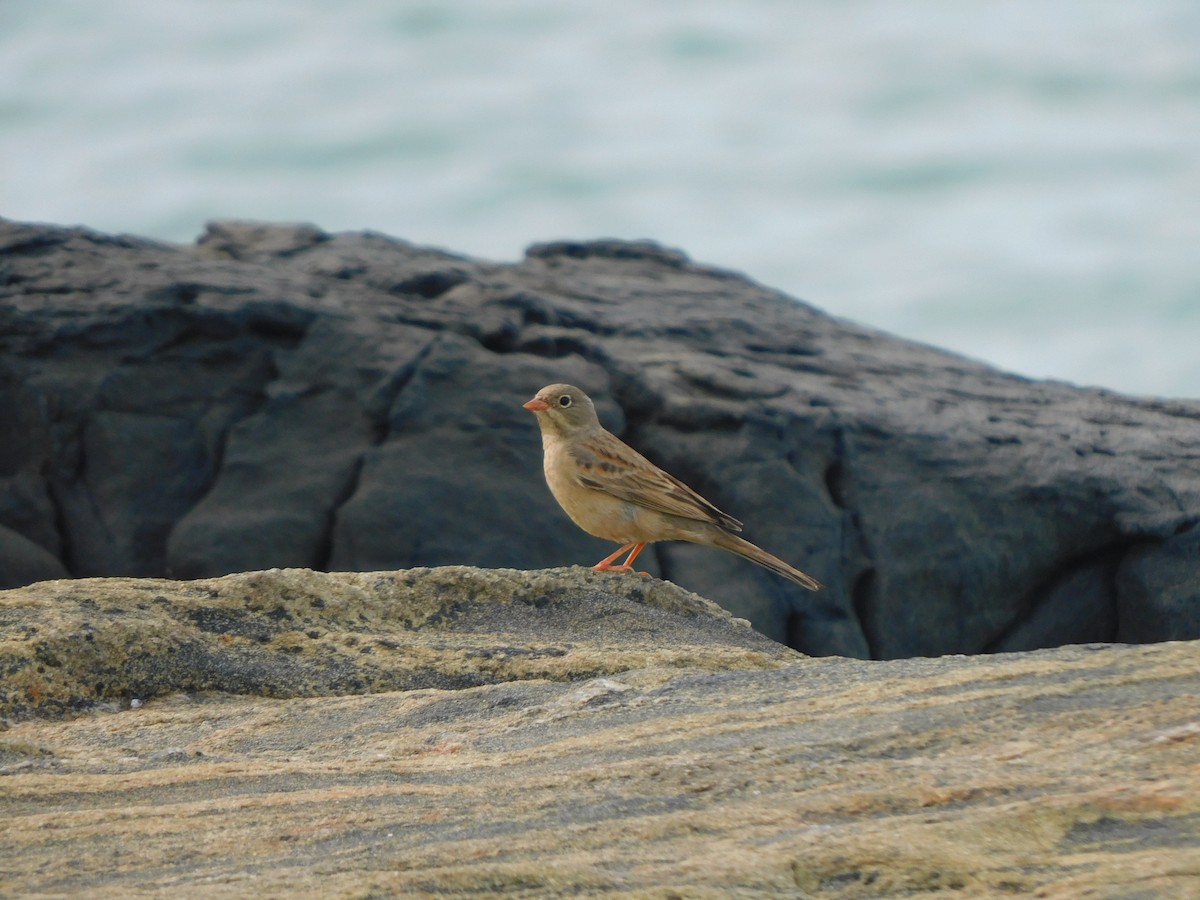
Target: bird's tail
<point x="747" y="550"/>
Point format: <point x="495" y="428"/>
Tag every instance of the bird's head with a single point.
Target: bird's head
<point x="564" y="409"/>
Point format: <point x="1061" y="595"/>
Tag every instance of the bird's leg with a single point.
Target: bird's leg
<point x="627" y="566"/>
<point x="607" y="563"/>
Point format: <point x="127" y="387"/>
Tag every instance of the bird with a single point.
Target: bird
<point x="613" y="492"/>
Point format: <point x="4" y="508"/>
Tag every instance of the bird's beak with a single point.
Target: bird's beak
<point x="536" y="405"/>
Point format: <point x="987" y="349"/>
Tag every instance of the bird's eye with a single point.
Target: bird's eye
<point x="564" y="401"/>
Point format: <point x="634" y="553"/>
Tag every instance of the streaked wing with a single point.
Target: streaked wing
<point x="610" y="465"/>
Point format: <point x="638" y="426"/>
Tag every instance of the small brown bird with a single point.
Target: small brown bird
<point x="613" y="492"/>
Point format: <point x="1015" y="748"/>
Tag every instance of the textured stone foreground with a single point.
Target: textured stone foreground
<point x="460" y="731"/>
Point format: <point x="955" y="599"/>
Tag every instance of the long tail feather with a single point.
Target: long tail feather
<point x="747" y="550"/>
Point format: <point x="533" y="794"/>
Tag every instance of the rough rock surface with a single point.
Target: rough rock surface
<point x="279" y="396"/>
<point x="70" y="646"/>
<point x="667" y="750"/>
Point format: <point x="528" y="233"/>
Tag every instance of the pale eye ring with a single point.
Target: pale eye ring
<point x="564" y="401"/>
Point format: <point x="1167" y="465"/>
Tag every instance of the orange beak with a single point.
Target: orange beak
<point x="536" y="405"/>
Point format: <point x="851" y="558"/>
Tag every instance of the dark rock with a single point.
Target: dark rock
<point x="276" y="395"/>
<point x="22" y="561"/>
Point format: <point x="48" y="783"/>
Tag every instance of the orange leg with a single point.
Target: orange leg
<point x="606" y="564"/>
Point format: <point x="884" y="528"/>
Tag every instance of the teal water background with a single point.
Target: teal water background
<point x="1018" y="181"/>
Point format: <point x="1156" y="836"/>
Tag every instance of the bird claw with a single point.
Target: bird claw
<point x="618" y="569"/>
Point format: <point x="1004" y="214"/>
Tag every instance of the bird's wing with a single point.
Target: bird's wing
<point x="607" y="464"/>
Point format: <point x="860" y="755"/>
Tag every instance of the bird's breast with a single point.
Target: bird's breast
<point x="595" y="511"/>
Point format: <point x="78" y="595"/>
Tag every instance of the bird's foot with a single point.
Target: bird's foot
<point x="622" y="568"/>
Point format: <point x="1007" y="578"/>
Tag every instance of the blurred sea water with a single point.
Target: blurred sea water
<point x="1016" y="181"/>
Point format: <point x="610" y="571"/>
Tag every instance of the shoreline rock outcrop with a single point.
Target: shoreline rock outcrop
<point x="99" y="643"/>
<point x="456" y="731"/>
<point x="276" y="396"/>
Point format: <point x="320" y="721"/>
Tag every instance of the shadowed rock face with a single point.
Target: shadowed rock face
<point x="458" y="731"/>
<point x="278" y="396"/>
